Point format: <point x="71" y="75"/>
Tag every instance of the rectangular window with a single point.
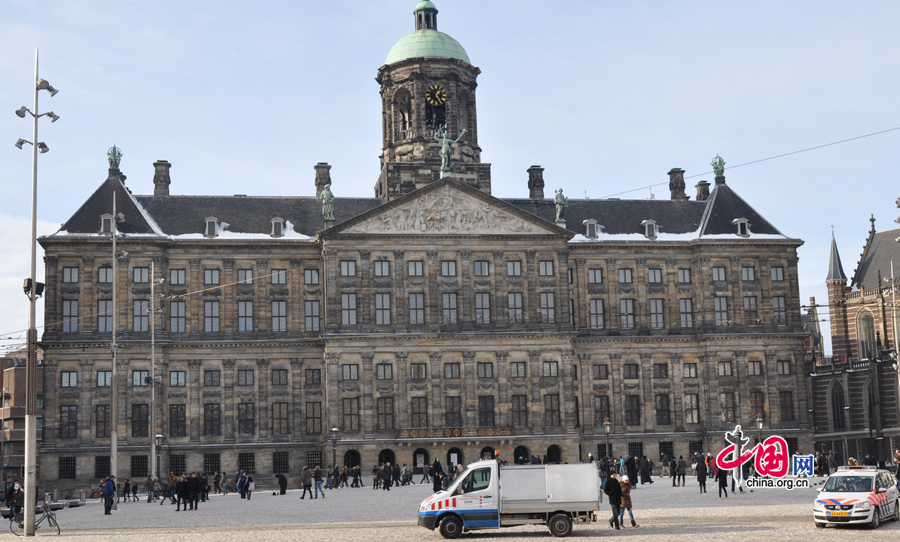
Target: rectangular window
<point x="415" y="268"/>
<point x="551" y="369"/>
<point x="382" y="268"/>
<point x="657" y="316"/>
<point x="212" y="420"/>
<point x="176" y="277"/>
<point x="102" y="467"/>
<point x="663" y="415"/>
<point x="748" y="273"/>
<point x="280" y="425"/>
<point x="348" y="268"/>
<point x="754" y="368"/>
<point x="279" y="276"/>
<point x="311" y="316"/>
<point x="660" y="370"/>
<point x="757" y="405"/>
<point x="245" y="276"/>
<point x="625" y="276"/>
<point x="246" y="463"/>
<point x="777" y="274"/>
<point x="350" y="371"/>
<point x="68" y="379"/>
<point x="453" y="411"/>
<point x="279" y="316"/>
<point x="103" y="421"/>
<point x="177" y="379"/>
<point x="726" y="406"/>
<point x="68" y="421"/>
<point x="350" y="413"/>
<point x="104" y="378"/>
<point x="384" y="371"/>
<point x="690" y="370"/>
<point x="485" y="410"/>
<point x="245" y="316"/>
<point x="416" y="309"/>
<point x="141" y="320"/>
<point x="686" y="312"/>
<point x="482" y="308"/>
<point x="632" y="410"/>
<point x="485" y="370"/>
<point x="279" y="377"/>
<point x="596" y="314"/>
<point x="654" y="275"/>
<point x="515" y="311"/>
<point x="783" y="366"/>
<point x="631" y="371"/>
<point x="314" y="418"/>
<point x="383" y="309"/>
<point x="626" y="313"/>
<point x="70" y="315"/>
<point x="751" y="317"/>
<point x="548" y="308"/>
<point x="211" y="316"/>
<point x="245" y="377"/>
<point x="514" y="268"/>
<point x="595" y="276"/>
<point x="310" y="277"/>
<point x="104" y="274"/>
<point x="601" y="371"/>
<point x="545" y="268"/>
<point x="418" y="371"/>
<point x="70" y="274"/>
<point x="140" y="378"/>
<point x="178" y="462"/>
<point x="721" y="311"/>
<point x="517" y="369"/>
<point x="210" y="277"/>
<point x="348" y="309"/>
<point x="482" y="268"/>
<point x="177" y="421"/>
<point x="520" y="410"/>
<point x="211" y="378"/>
<point x="448" y="307"/>
<point x="786" y="400"/>
<point x="213" y="463"/>
<point x="718" y="274"/>
<point x="140" y="420"/>
<point x="141" y="274"/>
<point x="104" y="315"/>
<point x="246" y="418"/>
<point x="724" y="368"/>
<point x="691" y="408"/>
<point x="418" y="408"/>
<point x="313" y="377"/>
<point x="601" y="409"/>
<point x="384" y="413"/>
<point x="177" y="318"/>
<point x="451" y="370"/>
<point x="551" y="410"/>
<point x="684" y="275"/>
<point x="448" y="268"/>
<point x="779" y="313"/>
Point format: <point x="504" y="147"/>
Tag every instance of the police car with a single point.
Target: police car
<point x="857" y="496"/>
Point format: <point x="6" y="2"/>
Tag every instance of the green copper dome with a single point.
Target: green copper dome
<point x="426" y="43"/>
<point x="424" y="4"/>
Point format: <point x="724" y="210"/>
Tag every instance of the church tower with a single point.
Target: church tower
<point x="428" y="86"/>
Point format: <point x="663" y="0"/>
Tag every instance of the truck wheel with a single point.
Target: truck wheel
<point x="560" y="525"/>
<point x="451" y="527"/>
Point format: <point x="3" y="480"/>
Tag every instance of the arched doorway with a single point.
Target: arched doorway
<point x="554" y="454"/>
<point x="487" y="453"/>
<point x="522" y="455"/>
<point x="386" y="456"/>
<point x="420" y="460"/>
<point x="352" y="458"/>
<point x="454" y="458"/>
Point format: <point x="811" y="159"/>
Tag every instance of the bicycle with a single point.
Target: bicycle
<point x="17" y="522"/>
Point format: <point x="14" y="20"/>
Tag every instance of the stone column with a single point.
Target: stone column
<point x="228" y="410"/>
<point x="263" y="377"/>
<point x="536" y="401"/>
<point x="194" y="408"/>
<point x="297" y="400"/>
<point x="437" y="391"/>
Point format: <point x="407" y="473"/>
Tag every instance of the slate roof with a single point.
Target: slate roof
<point x="724" y="206"/>
<point x="881" y="249"/>
<point x="835" y="269"/>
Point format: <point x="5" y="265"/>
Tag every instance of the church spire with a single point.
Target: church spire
<point x="835" y="271"/>
<point x="426" y="15"/>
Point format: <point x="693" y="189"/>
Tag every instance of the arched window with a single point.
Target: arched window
<point x="865" y="332"/>
<point x="837" y="407"/>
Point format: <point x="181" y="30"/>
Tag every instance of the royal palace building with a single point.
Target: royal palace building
<point x="431" y="321"/>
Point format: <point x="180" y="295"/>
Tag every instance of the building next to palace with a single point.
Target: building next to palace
<point x="432" y="321"/>
<point x="855" y="397"/>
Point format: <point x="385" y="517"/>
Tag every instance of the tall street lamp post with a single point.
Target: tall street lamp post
<point x="606" y="428"/>
<point x="759" y="426"/>
<point x="33" y="290"/>
<point x="158" y="440"/>
<point x="334" y="437"/>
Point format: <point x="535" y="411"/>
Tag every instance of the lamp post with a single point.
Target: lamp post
<point x="158" y="441"/>
<point x="33" y="290"/>
<point x="759" y="426"/>
<point x="334" y="437"/>
<point x="606" y="428"/>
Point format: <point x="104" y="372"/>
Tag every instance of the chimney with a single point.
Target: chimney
<point x="536" y="182"/>
<point x="676" y="183"/>
<point x="161" y="180"/>
<point x="323" y="176"/>
<point x="702" y="190"/>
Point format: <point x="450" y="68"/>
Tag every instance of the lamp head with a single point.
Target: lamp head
<point x="20" y="142"/>
<point x="53" y="116"/>
<point x="21" y="112"/>
<point x="158" y="439"/>
<point x="42" y="147"/>
<point x="43" y="84"/>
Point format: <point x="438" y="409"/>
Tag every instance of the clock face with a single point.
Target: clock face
<point x="436" y="95"/>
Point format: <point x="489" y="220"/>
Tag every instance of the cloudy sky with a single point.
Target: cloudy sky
<point x="245" y="97"/>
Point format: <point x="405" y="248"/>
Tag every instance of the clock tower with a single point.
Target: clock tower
<point x="428" y="85"/>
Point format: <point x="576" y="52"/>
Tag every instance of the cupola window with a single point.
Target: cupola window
<point x="212" y="227"/>
<point x="741" y="224"/>
<point x="106" y="223"/>
<point x="277" y="227"/>
<point x="590" y="228"/>
<point x="649" y="229"/>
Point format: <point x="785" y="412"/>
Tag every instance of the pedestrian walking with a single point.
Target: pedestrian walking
<point x="701" y="476"/>
<point x="614" y="491"/>
<point x="109" y="494"/>
<point x="317" y="478"/>
<point x="681" y="469"/>
<point x="306" y="479"/>
<point x="722" y="478"/>
<point x="626" y="486"/>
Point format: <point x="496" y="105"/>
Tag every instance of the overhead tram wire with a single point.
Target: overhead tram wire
<point x="761" y="160"/>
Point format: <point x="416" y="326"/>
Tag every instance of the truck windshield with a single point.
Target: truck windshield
<point x="476" y="480"/>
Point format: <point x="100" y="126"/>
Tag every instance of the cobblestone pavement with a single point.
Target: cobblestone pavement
<point x="350" y="515"/>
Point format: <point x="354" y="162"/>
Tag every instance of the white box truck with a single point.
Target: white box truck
<point x="488" y="496"/>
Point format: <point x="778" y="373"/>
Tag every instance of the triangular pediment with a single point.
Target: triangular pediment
<point x="449" y="208"/>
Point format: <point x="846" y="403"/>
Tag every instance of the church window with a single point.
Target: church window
<point x="865" y="325"/>
<point x="837" y="406"/>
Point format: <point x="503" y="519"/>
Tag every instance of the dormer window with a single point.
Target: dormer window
<point x="649" y="229"/>
<point x="590" y="228"/>
<point x="742" y="227"/>
<point x="277" y="227"/>
<point x="106" y="223"/>
<point x="212" y="227"/>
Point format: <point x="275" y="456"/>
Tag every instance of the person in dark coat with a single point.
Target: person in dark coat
<point x="701" y="476"/>
<point x="307" y="479"/>
<point x="646" y="470"/>
<point x="631" y="468"/>
<point x="438" y="483"/>
<point x="109" y="494"/>
<point x="195" y="489"/>
<point x="681" y="469"/>
<point x="614" y="491"/>
<point x="386" y="479"/>
<point x="282" y="483"/>
<point x="603" y="465"/>
<point x="722" y="478"/>
<point x="673" y="468"/>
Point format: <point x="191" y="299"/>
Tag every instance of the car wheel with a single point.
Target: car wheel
<point x="897" y="511"/>
<point x="876" y="519"/>
<point x="819" y="525"/>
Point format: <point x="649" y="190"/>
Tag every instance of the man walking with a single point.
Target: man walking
<point x="109" y="493"/>
<point x="317" y="477"/>
<point x="614" y="491"/>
